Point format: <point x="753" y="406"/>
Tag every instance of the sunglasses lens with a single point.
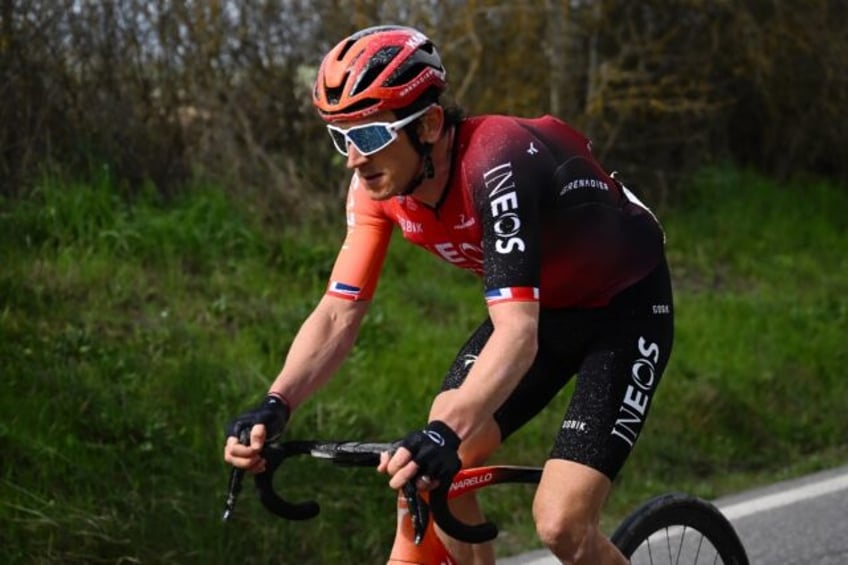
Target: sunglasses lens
<point x="339" y="141"/>
<point x="370" y="139"/>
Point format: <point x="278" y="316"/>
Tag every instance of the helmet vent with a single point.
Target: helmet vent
<point x="333" y="94"/>
<point x="376" y="64"/>
<point x="405" y="74"/>
<point x="344" y="50"/>
<point x="423" y="57"/>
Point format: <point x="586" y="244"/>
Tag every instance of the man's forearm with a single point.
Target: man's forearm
<point x="506" y="357"/>
<point x="319" y="348"/>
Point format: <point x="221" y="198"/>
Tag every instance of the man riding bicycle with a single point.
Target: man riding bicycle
<point x="574" y="278"/>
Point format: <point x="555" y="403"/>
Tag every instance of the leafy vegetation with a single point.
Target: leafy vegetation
<point x="171" y="90"/>
<point x="133" y="327"/>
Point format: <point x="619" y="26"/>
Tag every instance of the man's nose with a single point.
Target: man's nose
<point x="354" y="157"/>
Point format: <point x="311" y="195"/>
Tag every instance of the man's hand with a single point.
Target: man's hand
<point x="430" y="455"/>
<point x="266" y="421"/>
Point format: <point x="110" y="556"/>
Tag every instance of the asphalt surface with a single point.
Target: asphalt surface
<point x="801" y="521"/>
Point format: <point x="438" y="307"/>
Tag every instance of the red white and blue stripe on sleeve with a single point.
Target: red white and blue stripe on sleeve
<point x="343" y="290"/>
<point x="512" y="294"/>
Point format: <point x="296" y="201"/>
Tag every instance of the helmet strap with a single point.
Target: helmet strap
<point x="428" y="172"/>
<point x="429" y="168"/>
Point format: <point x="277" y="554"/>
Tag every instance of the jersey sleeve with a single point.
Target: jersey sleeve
<point x="360" y="260"/>
<point x="507" y="194"/>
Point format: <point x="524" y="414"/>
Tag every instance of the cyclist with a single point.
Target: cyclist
<point x="572" y="265"/>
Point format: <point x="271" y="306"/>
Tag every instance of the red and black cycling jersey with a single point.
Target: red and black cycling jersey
<point x="527" y="207"/>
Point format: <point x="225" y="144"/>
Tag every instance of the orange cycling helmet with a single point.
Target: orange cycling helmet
<point x="375" y="69"/>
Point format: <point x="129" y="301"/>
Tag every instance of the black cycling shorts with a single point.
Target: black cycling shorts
<point x="618" y="353"/>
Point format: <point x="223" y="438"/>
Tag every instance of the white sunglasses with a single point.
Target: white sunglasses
<point x="370" y="138"/>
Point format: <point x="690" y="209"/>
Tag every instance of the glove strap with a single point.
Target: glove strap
<point x="442" y="434"/>
<point x="280" y="397"/>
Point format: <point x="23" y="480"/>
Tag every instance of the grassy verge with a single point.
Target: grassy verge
<point x="132" y="329"/>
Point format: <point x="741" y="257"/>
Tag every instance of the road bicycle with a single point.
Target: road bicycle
<point x="670" y="528"/>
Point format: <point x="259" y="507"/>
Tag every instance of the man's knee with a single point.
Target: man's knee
<point x="567" y="509"/>
<point x="566" y="535"/>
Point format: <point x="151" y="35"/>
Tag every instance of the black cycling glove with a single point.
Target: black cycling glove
<point x="435" y="450"/>
<point x="273" y="412"/>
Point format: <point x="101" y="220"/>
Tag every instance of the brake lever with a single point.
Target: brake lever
<point x="418" y="510"/>
<point x="235" y="482"/>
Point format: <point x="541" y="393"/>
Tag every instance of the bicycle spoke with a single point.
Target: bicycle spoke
<point x="680" y="546"/>
<point x="698" y="552"/>
<point x="668" y="545"/>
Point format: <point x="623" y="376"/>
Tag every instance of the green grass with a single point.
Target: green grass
<point x="132" y="329"/>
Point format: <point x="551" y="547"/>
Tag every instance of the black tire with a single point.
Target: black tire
<point x="678" y="528"/>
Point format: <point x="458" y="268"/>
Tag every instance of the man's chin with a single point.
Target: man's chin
<point x="383" y="193"/>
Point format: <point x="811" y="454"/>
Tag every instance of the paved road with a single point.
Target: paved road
<point x="802" y="521"/>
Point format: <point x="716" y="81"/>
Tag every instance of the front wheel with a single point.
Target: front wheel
<point x="678" y="528"/>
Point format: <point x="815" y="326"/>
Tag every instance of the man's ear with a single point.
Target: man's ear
<point x="431" y="124"/>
